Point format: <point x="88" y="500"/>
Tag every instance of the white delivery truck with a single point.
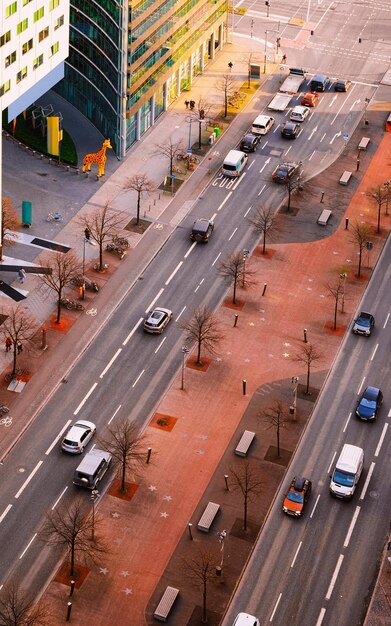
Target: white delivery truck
<point x="294" y="81"/>
<point x="279" y="102"/>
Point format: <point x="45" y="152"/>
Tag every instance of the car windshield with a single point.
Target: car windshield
<point x="367" y="404"/>
<point x="343" y="478"/>
<point x="156" y="315"/>
<point x="294" y="496"/>
<point x="363" y="321"/>
<point x="68" y="442"/>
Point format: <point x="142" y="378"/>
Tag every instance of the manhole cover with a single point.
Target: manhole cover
<point x="374" y="494"/>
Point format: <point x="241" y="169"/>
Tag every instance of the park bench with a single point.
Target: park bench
<point x="208" y="516"/>
<point x="363" y="145"/>
<point x="244" y="443"/>
<point x="345" y="178"/>
<point x="166" y="603"/>
<point x="324" y="217"/>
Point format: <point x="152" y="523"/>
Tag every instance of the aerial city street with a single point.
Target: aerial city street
<point x="195" y="311"/>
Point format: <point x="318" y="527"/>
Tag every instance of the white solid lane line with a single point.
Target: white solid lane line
<point x="154" y="300"/>
<point x="114" y="414"/>
<point x="361" y="386"/>
<point x="351" y="527"/>
<point x="26" y="482"/>
<point x="85" y="399"/>
<point x="379" y="445"/>
<point x="296" y="553"/>
<point x="374" y="352"/>
<point x="169" y="279"/>
<point x="55" y="441"/>
<point x="275" y="608"/>
<point x="224" y="201"/>
<point x="334" y="577"/>
<point x="110" y="363"/>
<point x="178" y="316"/>
<point x="347" y="422"/>
<point x="261" y="191"/>
<point x="138" y="378"/>
<point x="135" y="327"/>
<point x="248" y="211"/>
<point x="160" y="345"/>
<point x="193" y="245"/>
<point x="315" y="505"/>
<point x="368" y="478"/>
<point x="385" y="323"/>
<point x="27" y="547"/>
<point x="216" y="259"/>
<point x="4" y="513"/>
<point x="229" y="238"/>
<point x="321" y="616"/>
<point x="59" y="498"/>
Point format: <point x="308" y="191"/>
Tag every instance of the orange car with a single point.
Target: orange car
<point x="310" y="99"/>
<point x="297" y="496"/>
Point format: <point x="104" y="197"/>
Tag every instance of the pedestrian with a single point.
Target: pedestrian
<point x="19" y="345"/>
<point x="192" y="104"/>
<point x="283" y="60"/>
<point x="187" y="104"/>
<point x="8" y="344"/>
<point x="230" y="65"/>
<point x="22" y="275"/>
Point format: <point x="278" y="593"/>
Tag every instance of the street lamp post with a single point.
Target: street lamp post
<point x="343" y="277"/>
<point x="94" y="496"/>
<point x="264" y="60"/>
<point x="185" y="350"/>
<point x="295" y="383"/>
<point x="245" y="257"/>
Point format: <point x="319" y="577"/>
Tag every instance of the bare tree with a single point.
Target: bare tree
<point x="64" y="268"/>
<point x="380" y="195"/>
<point x="17" y="609"/>
<point x="9" y="222"/>
<point x="234" y="268"/>
<point x="246" y="478"/>
<point x="170" y="149"/>
<point x="226" y="85"/>
<point x="336" y="290"/>
<point x="359" y="234"/>
<point x="293" y="183"/>
<point x="202" y="112"/>
<point x="308" y="354"/>
<point x="127" y="447"/>
<point x="20" y="327"/>
<point x="262" y="221"/>
<point x="102" y="224"/>
<point x="201" y="569"/>
<point x="276" y="417"/>
<point x="140" y="183"/>
<point x="203" y="328"/>
<point x="71" y="526"/>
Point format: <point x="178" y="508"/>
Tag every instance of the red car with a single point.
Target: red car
<point x="297" y="496"/>
<point x="310" y="99"/>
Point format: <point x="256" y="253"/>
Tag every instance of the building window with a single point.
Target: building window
<point x="38" y="14"/>
<point x="4" y="88"/>
<point x="26" y="2"/>
<point x="54" y="48"/>
<point x="5" y="38"/>
<point x="11" y="9"/>
<point x="22" y="26"/>
<point x="11" y="58"/>
<point x="27" y="46"/>
<point x="53" y="4"/>
<point x="38" y="61"/>
<point x="43" y="34"/>
<point x="21" y="75"/>
<point x="59" y="22"/>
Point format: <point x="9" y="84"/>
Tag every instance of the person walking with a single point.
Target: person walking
<point x="22" y="275"/>
<point x="19" y="346"/>
<point x="8" y="344"/>
<point x="187" y="104"/>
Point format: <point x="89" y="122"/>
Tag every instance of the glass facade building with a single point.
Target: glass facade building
<point x="129" y="60"/>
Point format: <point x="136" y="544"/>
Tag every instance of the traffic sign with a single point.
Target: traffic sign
<point x="189" y="151"/>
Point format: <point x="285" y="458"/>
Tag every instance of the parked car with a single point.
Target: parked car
<point x="78" y="436"/>
<point x="245" y="619"/>
<point x="299" y="113"/>
<point x="290" y="130"/>
<point x="156" y="321"/>
<point x="310" y="99"/>
<point x="369" y="404"/>
<point x="249" y="142"/>
<point x="364" y="324"/>
<point x="297" y="496"/>
<point x="284" y="171"/>
<point x="342" y="85"/>
<point x="202" y="230"/>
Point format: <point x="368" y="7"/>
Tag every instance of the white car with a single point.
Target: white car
<point x="245" y="619"/>
<point x="299" y="113"/>
<point x="157" y="320"/>
<point x="78" y="436"/>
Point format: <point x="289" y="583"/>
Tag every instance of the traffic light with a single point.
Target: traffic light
<point x="87" y="233"/>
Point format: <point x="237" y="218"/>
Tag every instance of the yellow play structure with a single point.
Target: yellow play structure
<point x="97" y="157"/>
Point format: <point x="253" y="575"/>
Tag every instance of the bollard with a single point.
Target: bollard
<point x="43" y="341"/>
<point x="236" y="319"/>
<point x="69" y="609"/>
<point x="190" y="533"/>
<point x="244" y="382"/>
<point x="305" y="335"/>
<point x="264" y="289"/>
<point x="346" y="223"/>
<point x="322" y="196"/>
<point x="72" y="588"/>
<point x="218" y="570"/>
<point x="358" y="165"/>
<point x="149" y="454"/>
<point x="226" y="481"/>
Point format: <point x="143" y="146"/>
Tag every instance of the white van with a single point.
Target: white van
<point x="347" y="471"/>
<point x="92" y="468"/>
<point x="262" y="124"/>
<point x="234" y="163"/>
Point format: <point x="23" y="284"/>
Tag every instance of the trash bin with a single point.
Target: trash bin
<point x="212" y="138"/>
<point x="216" y="131"/>
<point x="27" y="210"/>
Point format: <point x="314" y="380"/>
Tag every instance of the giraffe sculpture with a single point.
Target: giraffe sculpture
<point x="97" y="157"/>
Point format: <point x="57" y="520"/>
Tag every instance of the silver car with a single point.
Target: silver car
<point x="78" y="436"/>
<point x="157" y="320"/>
<point x="299" y="113"/>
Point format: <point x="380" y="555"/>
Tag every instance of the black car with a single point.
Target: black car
<point x="202" y="230"/>
<point x="284" y="171"/>
<point x="364" y="324"/>
<point x="249" y="142"/>
<point x="369" y="404"/>
<point x="342" y="85"/>
<point x="290" y="130"/>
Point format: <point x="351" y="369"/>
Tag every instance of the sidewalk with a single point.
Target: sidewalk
<point x="149" y="533"/>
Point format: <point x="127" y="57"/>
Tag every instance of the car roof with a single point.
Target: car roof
<point x="299" y="483"/>
<point x="371" y="392"/>
<point x="78" y="428"/>
<point x="299" y="108"/>
<point x="287" y="124"/>
<point x="249" y="136"/>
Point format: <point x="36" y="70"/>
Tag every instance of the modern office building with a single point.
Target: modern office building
<point x="129" y="59"/>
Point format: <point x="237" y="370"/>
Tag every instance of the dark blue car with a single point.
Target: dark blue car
<point x="369" y="404"/>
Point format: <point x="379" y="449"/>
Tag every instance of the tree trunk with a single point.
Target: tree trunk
<point x="225" y="105"/>
<point x="359" y="263"/>
<point x="199" y="133"/>
<point x="278" y="439"/>
<point x="199" y="352"/>
<point x="336" y="311"/>
<point x="234" y="295"/>
<point x="123" y="475"/>
<point x="138" y="208"/>
<point x="101" y="255"/>
<point x="204" y="615"/>
<point x="308" y="379"/>
<point x="289" y="198"/>
<point x="264" y="242"/>
<point x="58" y="309"/>
<point x="72" y="571"/>
<point x="14" y="361"/>
<point x="245" y="512"/>
<point x="171" y="165"/>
